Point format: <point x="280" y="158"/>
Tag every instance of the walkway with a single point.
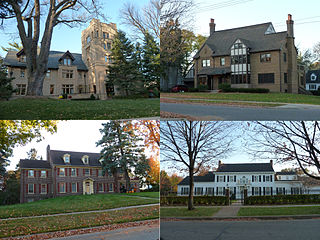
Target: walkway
<point x="228" y="211"/>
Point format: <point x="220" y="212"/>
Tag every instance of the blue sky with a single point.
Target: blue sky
<point x="65" y="38"/>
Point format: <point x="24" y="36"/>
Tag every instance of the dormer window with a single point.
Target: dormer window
<point x="67" y="61"/>
<point x="313" y="77"/>
<point x="85" y="159"/>
<point x="66" y="158"/>
<point x="67" y="58"/>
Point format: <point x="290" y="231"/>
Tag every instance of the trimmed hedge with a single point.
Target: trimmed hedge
<point x="197" y="200"/>
<point x="282" y="199"/>
<point x="226" y="87"/>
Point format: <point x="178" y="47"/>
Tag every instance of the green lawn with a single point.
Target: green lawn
<point x="259" y="97"/>
<point x="20" y="227"/>
<point x="73" y="204"/>
<point x="271" y="211"/>
<point x="184" y="212"/>
<point x="67" y="109"/>
<point x="146" y="194"/>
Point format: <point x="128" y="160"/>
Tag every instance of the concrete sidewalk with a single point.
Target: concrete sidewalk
<point x="228" y="211"/>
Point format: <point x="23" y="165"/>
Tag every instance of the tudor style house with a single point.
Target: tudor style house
<point x="72" y="73"/>
<point x="249" y="57"/>
<point x="67" y="173"/>
<point x="258" y="178"/>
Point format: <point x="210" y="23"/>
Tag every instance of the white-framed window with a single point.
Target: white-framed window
<point x="267" y="178"/>
<point x="87" y="172"/>
<point x="198" y="190"/>
<point x="313" y="77"/>
<point x="62" y="172"/>
<point x="31" y="173"/>
<point x="43" y="173"/>
<point x="21" y="89"/>
<point x="73" y="172"/>
<point x="209" y="191"/>
<point x="100" y="173"/>
<point x="256" y="190"/>
<point x="43" y="188"/>
<point x="231" y="178"/>
<point x="62" y="187"/>
<point x="220" y="178"/>
<point x="67" y="88"/>
<point x="22" y="73"/>
<point x="100" y="187"/>
<point x="184" y="190"/>
<point x="85" y="159"/>
<point x="30" y="188"/>
<point x="74" y="187"/>
<point x="222" y="61"/>
<point x="312" y="87"/>
<point x="268" y="190"/>
<point x="220" y="191"/>
<point x="206" y="63"/>
<point x="66" y="158"/>
<point x="110" y="187"/>
<point x="256" y="178"/>
<point x="67" y="73"/>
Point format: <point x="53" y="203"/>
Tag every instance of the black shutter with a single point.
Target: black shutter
<point x="224" y="191"/>
<point x="270" y="178"/>
<point x="252" y="178"/>
<point x="271" y="191"/>
<point x="252" y="191"/>
<point x="228" y="178"/>
<point x="264" y="178"/>
<point x="235" y="191"/>
<point x="214" y="177"/>
<point x="217" y="178"/>
<point x="264" y="191"/>
<point x="213" y="191"/>
<point x="217" y="191"/>
<point x="284" y="191"/>
<point x="260" y="178"/>
<point x="277" y="191"/>
<point x="235" y="178"/>
<point x="224" y="178"/>
<point x="260" y="191"/>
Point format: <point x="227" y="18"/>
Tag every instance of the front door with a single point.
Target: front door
<point x="87" y="187"/>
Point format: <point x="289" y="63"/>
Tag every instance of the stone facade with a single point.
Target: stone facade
<point x="67" y="173"/>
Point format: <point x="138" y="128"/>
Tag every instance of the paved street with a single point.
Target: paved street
<point x="133" y="233"/>
<point x="219" y="112"/>
<point x="246" y="230"/>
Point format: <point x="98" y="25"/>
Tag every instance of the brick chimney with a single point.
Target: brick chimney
<point x="219" y="163"/>
<point x="290" y="26"/>
<point x="271" y="162"/>
<point x="212" y="26"/>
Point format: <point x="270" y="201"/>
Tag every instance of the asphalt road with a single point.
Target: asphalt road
<point x="133" y="233"/>
<point x="236" y="113"/>
<point x="246" y="230"/>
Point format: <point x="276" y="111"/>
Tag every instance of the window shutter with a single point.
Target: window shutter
<point x="90" y="172"/>
<point x="252" y="191"/>
<point x="260" y="178"/>
<point x="47" y="188"/>
<point x="27" y="173"/>
<point x="39" y="188"/>
<point x="224" y="191"/>
<point x="264" y="178"/>
<point x="228" y="179"/>
<point x="69" y="171"/>
<point x="66" y="187"/>
<point x="104" y="187"/>
<point x="235" y="178"/>
<point x="34" y="188"/>
<point x="252" y="178"/>
<point x="260" y="191"/>
<point x="217" y="178"/>
<point x="47" y="173"/>
<point x="66" y="172"/>
<point x="217" y="191"/>
<point x="58" y="188"/>
<point x="108" y="187"/>
<point x="27" y="188"/>
<point x="97" y="187"/>
<point x="97" y="172"/>
<point x="271" y="191"/>
<point x="77" y="187"/>
<point x="264" y="191"/>
<point x="277" y="191"/>
<point x="83" y="172"/>
<point x="224" y="178"/>
<point x="77" y="172"/>
<point x="235" y="191"/>
<point x="270" y="178"/>
<point x="58" y="169"/>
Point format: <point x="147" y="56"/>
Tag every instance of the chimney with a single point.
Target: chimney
<point x="290" y="26"/>
<point x="212" y="26"/>
<point x="48" y="153"/>
<point x="271" y="162"/>
<point x="219" y="163"/>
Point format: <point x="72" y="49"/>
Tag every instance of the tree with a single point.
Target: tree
<point x="6" y="89"/>
<point x="124" y="70"/>
<point x="297" y="142"/>
<point x="203" y="170"/>
<point x="18" y="132"/>
<point x="165" y="185"/>
<point x="11" y="191"/>
<point x="29" y="15"/>
<point x="121" y="150"/>
<point x="33" y="154"/>
<point x="174" y="180"/>
<point x="189" y="145"/>
<point x="13" y="46"/>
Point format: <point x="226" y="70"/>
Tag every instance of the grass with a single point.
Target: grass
<point x="27" y="108"/>
<point x="258" y="97"/>
<point x="184" y="212"/>
<point x="18" y="227"/>
<point x="79" y="203"/>
<point x="147" y="194"/>
<point x="272" y="211"/>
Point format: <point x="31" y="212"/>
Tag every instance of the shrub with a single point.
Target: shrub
<point x="282" y="199"/>
<point x="193" y="90"/>
<point x="225" y="87"/>
<point x="197" y="200"/>
<point x="92" y="97"/>
<point x="202" y="88"/>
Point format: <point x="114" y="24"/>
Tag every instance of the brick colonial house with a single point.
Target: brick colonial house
<point x="72" y="73"/>
<point x="66" y="173"/>
<point x="249" y="57"/>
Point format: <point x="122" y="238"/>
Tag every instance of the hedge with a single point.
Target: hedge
<point x="225" y="87"/>
<point x="282" y="199"/>
<point x="197" y="200"/>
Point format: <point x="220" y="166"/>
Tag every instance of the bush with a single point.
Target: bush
<point x="282" y="199"/>
<point x="225" y="87"/>
<point x="316" y="93"/>
<point x="193" y="90"/>
<point x="197" y="200"/>
<point x="246" y="90"/>
<point x="202" y="88"/>
<point x="92" y="97"/>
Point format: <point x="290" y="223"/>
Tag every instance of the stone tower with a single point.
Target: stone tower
<point x="96" y="42"/>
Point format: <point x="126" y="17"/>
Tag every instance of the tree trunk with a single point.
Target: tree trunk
<point x="190" y="200"/>
<point x="126" y="176"/>
<point x="116" y="183"/>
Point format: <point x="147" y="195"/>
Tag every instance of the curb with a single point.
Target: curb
<point x="246" y="218"/>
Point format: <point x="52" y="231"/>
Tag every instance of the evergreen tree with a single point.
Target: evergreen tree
<point x="6" y="89"/>
<point x="151" y="61"/>
<point x="123" y="73"/>
<point x="121" y="150"/>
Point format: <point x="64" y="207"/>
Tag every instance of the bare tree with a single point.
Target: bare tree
<point x="28" y="16"/>
<point x="190" y="145"/>
<point x="297" y="142"/>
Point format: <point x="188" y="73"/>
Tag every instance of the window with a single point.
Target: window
<point x="206" y="63"/>
<point x="73" y="172"/>
<point x="97" y="33"/>
<point x="198" y="191"/>
<point x="267" y="178"/>
<point x="87" y="172"/>
<point x="284" y="57"/>
<point x="104" y="35"/>
<point x="209" y="191"/>
<point x="48" y="73"/>
<point x="184" y="191"/>
<point x="313" y="77"/>
<point x="62" y="172"/>
<point x="88" y="39"/>
<point x="100" y="187"/>
<point x="109" y="46"/>
<point x="285" y="77"/>
<point x="67" y="61"/>
<point x="43" y="174"/>
<point x="104" y="46"/>
<point x="222" y="61"/>
<point x="30" y="188"/>
<point x="43" y="188"/>
<point x="62" y="187"/>
<point x="313" y="87"/>
<point x="106" y="58"/>
<point x="256" y="191"/>
<point x="30" y="173"/>
<point x="108" y="35"/>
<point x="51" y="89"/>
<point x="67" y="89"/>
<point x="66" y="158"/>
<point x="21" y="89"/>
<point x="85" y="159"/>
<point x="22" y="73"/>
<point x="74" y="187"/>
<point x="231" y="178"/>
<point x="255" y="178"/>
<point x="219" y="190"/>
<point x="266" y="78"/>
<point x="67" y="73"/>
<point x="268" y="190"/>
<point x="100" y="173"/>
<point x="23" y="58"/>
<point x="265" y="57"/>
<point x="110" y="187"/>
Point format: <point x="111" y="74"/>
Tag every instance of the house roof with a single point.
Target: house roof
<point x="214" y="71"/>
<point x="253" y="36"/>
<point x="286" y="173"/>
<point x="245" y="167"/>
<point x="75" y="158"/>
<point x="209" y="177"/>
<point x="313" y="72"/>
<point x="26" y="163"/>
<point x="53" y="60"/>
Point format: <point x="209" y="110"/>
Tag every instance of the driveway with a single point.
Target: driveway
<point x="241" y="230"/>
<point x="291" y="112"/>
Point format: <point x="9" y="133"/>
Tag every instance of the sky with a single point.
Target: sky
<point x="228" y="15"/>
<point x="65" y="38"/>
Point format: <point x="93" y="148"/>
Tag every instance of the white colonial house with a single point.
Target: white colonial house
<point x="258" y="178"/>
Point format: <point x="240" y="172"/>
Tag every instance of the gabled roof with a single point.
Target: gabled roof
<point x="314" y="72"/>
<point x="75" y="158"/>
<point x="286" y="173"/>
<point x="254" y="36"/>
<point x="35" y="164"/>
<point x="245" y="167"/>
<point x="53" y="60"/>
<point x="209" y="177"/>
<point x="67" y="54"/>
